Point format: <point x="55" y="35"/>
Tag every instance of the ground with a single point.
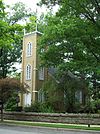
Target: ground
<point x="8" y="129"/>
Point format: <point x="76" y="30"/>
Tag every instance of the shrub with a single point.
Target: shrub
<point x="17" y="109"/>
<point x="10" y="104"/>
<point x="39" y="107"/>
<point x="33" y="108"/>
<point x="97" y="103"/>
<point x="46" y="108"/>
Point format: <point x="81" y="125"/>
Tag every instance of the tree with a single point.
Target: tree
<point x="4" y="37"/>
<point x="7" y="87"/>
<point x="53" y="98"/>
<point x="50" y="3"/>
<point x="73" y="37"/>
<point x="11" y="39"/>
<point x="37" y="23"/>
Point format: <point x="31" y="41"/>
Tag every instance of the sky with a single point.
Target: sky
<point x="29" y="3"/>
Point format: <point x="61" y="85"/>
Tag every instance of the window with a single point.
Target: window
<point x="28" y="72"/>
<point x="29" y="49"/>
<point x="78" y="96"/>
<point x="27" y="100"/>
<point x="41" y="96"/>
<point x="41" y="73"/>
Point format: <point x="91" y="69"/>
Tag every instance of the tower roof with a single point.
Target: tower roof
<point x="35" y="32"/>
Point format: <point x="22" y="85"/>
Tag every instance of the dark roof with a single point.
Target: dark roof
<point x="52" y="71"/>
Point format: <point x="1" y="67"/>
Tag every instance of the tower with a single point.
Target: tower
<point x="32" y="75"/>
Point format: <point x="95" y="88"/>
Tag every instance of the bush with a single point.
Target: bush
<point x="33" y="108"/>
<point x="91" y="107"/>
<point x="10" y="104"/>
<point x="27" y="109"/>
<point x="16" y="109"/>
<point x="39" y="107"/>
<point x="46" y="108"/>
<point x="97" y="104"/>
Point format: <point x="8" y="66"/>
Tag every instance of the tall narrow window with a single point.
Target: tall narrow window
<point x="27" y="100"/>
<point x="41" y="97"/>
<point x="28" y="72"/>
<point x="29" y="49"/>
<point x="78" y="96"/>
<point x="41" y="73"/>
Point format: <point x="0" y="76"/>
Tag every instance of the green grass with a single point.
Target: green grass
<point x="53" y="125"/>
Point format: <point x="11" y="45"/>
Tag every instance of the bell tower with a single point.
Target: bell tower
<point x="31" y="74"/>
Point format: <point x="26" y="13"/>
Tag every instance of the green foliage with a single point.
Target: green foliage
<point x="31" y="26"/>
<point x="37" y="23"/>
<point x="53" y="95"/>
<point x="50" y="3"/>
<point x="2" y="13"/>
<point x="61" y="94"/>
<point x="9" y="86"/>
<point x="16" y="109"/>
<point x="11" y="33"/>
<point x="33" y="108"/>
<point x="46" y="108"/>
<point x="97" y="105"/>
<point x="92" y="106"/>
<point x="39" y="107"/>
<point x="19" y="12"/>
<point x="73" y="39"/>
<point x="10" y="103"/>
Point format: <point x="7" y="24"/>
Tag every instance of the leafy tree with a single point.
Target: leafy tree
<point x="49" y="3"/>
<point x="53" y="98"/>
<point x="31" y="25"/>
<point x="11" y="39"/>
<point x="37" y="22"/>
<point x="7" y="87"/>
<point x="19" y="12"/>
<point x="73" y="37"/>
<point x="4" y="36"/>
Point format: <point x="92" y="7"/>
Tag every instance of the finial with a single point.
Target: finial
<point x="36" y="21"/>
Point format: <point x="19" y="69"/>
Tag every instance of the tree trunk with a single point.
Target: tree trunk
<point x="2" y="113"/>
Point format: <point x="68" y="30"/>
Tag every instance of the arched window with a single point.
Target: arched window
<point x="29" y="49"/>
<point x="28" y="72"/>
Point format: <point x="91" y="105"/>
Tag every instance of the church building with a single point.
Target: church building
<point x="34" y="75"/>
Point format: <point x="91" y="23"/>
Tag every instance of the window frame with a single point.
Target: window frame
<point x="29" y="49"/>
<point x="41" y="74"/>
<point x="28" y="72"/>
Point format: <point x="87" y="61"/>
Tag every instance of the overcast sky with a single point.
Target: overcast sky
<point x="29" y="3"/>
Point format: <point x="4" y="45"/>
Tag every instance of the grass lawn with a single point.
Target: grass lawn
<point x="54" y="125"/>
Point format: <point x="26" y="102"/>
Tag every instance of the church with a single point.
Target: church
<point x="34" y="75"/>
